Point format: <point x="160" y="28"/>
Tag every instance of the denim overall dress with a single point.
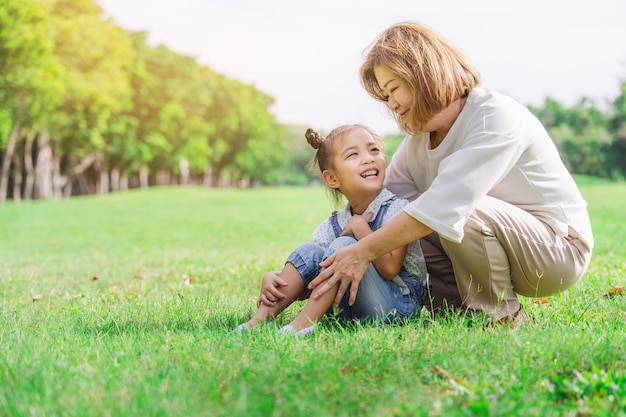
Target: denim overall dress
<point x="377" y="298"/>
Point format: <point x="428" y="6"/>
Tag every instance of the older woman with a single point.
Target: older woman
<point x="495" y="208"/>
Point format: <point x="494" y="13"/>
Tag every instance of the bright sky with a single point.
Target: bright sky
<point x="306" y="53"/>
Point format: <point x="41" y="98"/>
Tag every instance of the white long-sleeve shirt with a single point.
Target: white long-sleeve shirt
<point x="496" y="147"/>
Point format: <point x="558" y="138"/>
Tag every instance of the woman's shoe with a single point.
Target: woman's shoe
<point x="513" y="321"/>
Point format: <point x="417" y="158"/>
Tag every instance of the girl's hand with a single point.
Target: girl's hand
<point x="270" y="289"/>
<point x="357" y="222"/>
<point x="344" y="268"/>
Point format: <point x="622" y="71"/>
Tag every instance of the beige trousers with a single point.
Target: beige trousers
<point x="506" y="251"/>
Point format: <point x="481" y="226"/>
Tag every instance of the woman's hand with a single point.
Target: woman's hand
<point x="347" y="266"/>
<point x="270" y="289"/>
<point x="344" y="268"/>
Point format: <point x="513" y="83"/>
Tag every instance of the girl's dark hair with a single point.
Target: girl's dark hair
<point x="326" y="147"/>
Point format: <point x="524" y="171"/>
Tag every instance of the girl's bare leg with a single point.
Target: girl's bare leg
<point x="292" y="291"/>
<point x="314" y="310"/>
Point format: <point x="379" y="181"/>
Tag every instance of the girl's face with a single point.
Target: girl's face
<point x="397" y="93"/>
<point x="358" y="165"/>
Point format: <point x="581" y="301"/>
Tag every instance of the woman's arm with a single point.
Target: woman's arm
<point x="347" y="266"/>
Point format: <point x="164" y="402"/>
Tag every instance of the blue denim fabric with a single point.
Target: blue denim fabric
<point x="376" y="298"/>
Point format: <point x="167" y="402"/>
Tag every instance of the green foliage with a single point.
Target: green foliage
<point x="6" y="123"/>
<point x="94" y="55"/>
<point x="105" y="95"/>
<point x="391" y="144"/>
<point x="132" y="319"/>
<point x="28" y="68"/>
<point x="586" y="137"/>
<point x="109" y="101"/>
<point x="300" y="155"/>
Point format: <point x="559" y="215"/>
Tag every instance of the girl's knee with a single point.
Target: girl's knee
<point x="306" y="259"/>
<point x="340" y="242"/>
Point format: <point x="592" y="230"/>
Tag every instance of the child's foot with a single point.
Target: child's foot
<point x="288" y="329"/>
<point x="242" y="328"/>
<point x="250" y="324"/>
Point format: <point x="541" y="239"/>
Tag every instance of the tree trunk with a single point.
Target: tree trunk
<point x="215" y="175"/>
<point x="163" y="177"/>
<point x="115" y="179"/>
<point x="6" y="166"/>
<point x="84" y="187"/>
<point x="143" y="177"/>
<point x="207" y="180"/>
<point x="67" y="180"/>
<point x="43" y="167"/>
<point x="17" y="180"/>
<point x="8" y="155"/>
<point x="104" y="182"/>
<point x="123" y="183"/>
<point x="183" y="164"/>
<point x="59" y="182"/>
<point x="28" y="165"/>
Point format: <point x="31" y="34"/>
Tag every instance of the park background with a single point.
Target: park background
<point x="123" y="303"/>
<point x="91" y="107"/>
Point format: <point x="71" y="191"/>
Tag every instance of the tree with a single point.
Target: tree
<point x="28" y="71"/>
<point x="300" y="155"/>
<point x="94" y="54"/>
<point x="618" y="126"/>
<point x="581" y="133"/>
<point x="171" y="93"/>
<point x="86" y="106"/>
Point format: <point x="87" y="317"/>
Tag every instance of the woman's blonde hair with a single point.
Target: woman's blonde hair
<point x="325" y="148"/>
<point x="435" y="71"/>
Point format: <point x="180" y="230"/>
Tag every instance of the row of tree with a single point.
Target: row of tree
<point x="86" y="107"/>
<point x="591" y="141"/>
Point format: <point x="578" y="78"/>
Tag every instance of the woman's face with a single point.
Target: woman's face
<point x="396" y="92"/>
<point x="400" y="101"/>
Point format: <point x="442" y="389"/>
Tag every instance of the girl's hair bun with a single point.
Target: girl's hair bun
<point x="314" y="138"/>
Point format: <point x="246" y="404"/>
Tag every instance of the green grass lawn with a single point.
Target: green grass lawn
<point x="124" y="305"/>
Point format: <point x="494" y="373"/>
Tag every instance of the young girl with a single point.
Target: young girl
<point x="352" y="163"/>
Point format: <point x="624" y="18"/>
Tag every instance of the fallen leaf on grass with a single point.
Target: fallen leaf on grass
<point x="437" y="370"/>
<point x="452" y="381"/>
<point x="612" y="292"/>
<point x="541" y="301"/>
<point x="74" y="296"/>
<point x="37" y="297"/>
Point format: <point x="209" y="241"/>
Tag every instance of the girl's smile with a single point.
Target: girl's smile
<point x="370" y="173"/>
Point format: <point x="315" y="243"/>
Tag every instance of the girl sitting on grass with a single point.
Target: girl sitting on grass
<point x="352" y="163"/>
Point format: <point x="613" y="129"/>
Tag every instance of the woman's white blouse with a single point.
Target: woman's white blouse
<point x="496" y="147"/>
